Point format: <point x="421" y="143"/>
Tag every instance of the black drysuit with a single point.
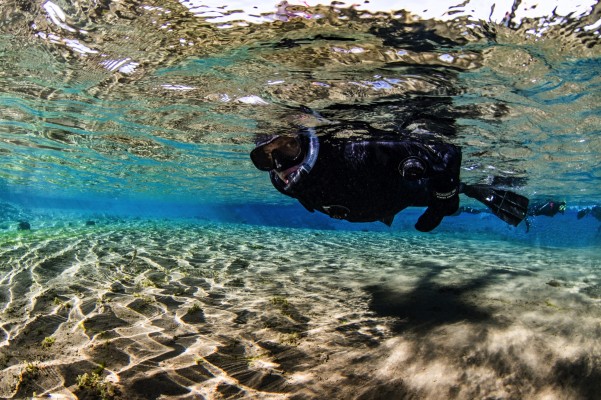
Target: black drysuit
<point x="364" y="180"/>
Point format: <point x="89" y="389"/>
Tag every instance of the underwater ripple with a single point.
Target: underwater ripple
<point x="205" y="310"/>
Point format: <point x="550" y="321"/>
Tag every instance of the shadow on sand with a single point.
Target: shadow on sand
<point x="421" y="312"/>
<point x="429" y="304"/>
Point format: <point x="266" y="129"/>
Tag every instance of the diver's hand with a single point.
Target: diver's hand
<point x="429" y="220"/>
<point x="441" y="205"/>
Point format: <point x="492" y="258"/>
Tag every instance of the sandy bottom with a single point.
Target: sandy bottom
<point x="187" y="310"/>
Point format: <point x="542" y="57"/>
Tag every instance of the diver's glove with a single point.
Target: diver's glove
<point x="444" y="202"/>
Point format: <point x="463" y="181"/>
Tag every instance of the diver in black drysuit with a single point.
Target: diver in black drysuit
<point x="547" y="208"/>
<point x="372" y="179"/>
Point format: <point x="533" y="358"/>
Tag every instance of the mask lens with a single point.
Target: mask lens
<point x="262" y="159"/>
<point x="282" y="147"/>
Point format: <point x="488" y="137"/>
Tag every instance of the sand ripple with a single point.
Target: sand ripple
<point x="176" y="309"/>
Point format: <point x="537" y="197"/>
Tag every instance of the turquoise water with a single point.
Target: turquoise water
<point x="157" y="262"/>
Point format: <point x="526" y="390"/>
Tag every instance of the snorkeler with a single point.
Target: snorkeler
<point x="372" y="178"/>
<point x="548" y="208"/>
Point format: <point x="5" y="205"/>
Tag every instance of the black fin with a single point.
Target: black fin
<point x="583" y="213"/>
<point x="509" y="206"/>
<point x="387" y="220"/>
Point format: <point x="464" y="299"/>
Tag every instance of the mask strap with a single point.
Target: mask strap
<point x="310" y="158"/>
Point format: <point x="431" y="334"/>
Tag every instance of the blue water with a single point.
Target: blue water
<point x="143" y="256"/>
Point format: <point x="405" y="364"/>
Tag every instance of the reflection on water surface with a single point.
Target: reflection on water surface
<point x="109" y="96"/>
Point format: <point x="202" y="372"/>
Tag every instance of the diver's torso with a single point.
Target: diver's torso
<point x="360" y="181"/>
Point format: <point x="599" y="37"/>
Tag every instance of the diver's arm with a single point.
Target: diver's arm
<point x="444" y="201"/>
<point x="443" y="181"/>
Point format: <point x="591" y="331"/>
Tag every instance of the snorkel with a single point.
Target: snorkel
<point x="307" y="164"/>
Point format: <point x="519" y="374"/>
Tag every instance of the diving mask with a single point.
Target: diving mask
<point x="279" y="154"/>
